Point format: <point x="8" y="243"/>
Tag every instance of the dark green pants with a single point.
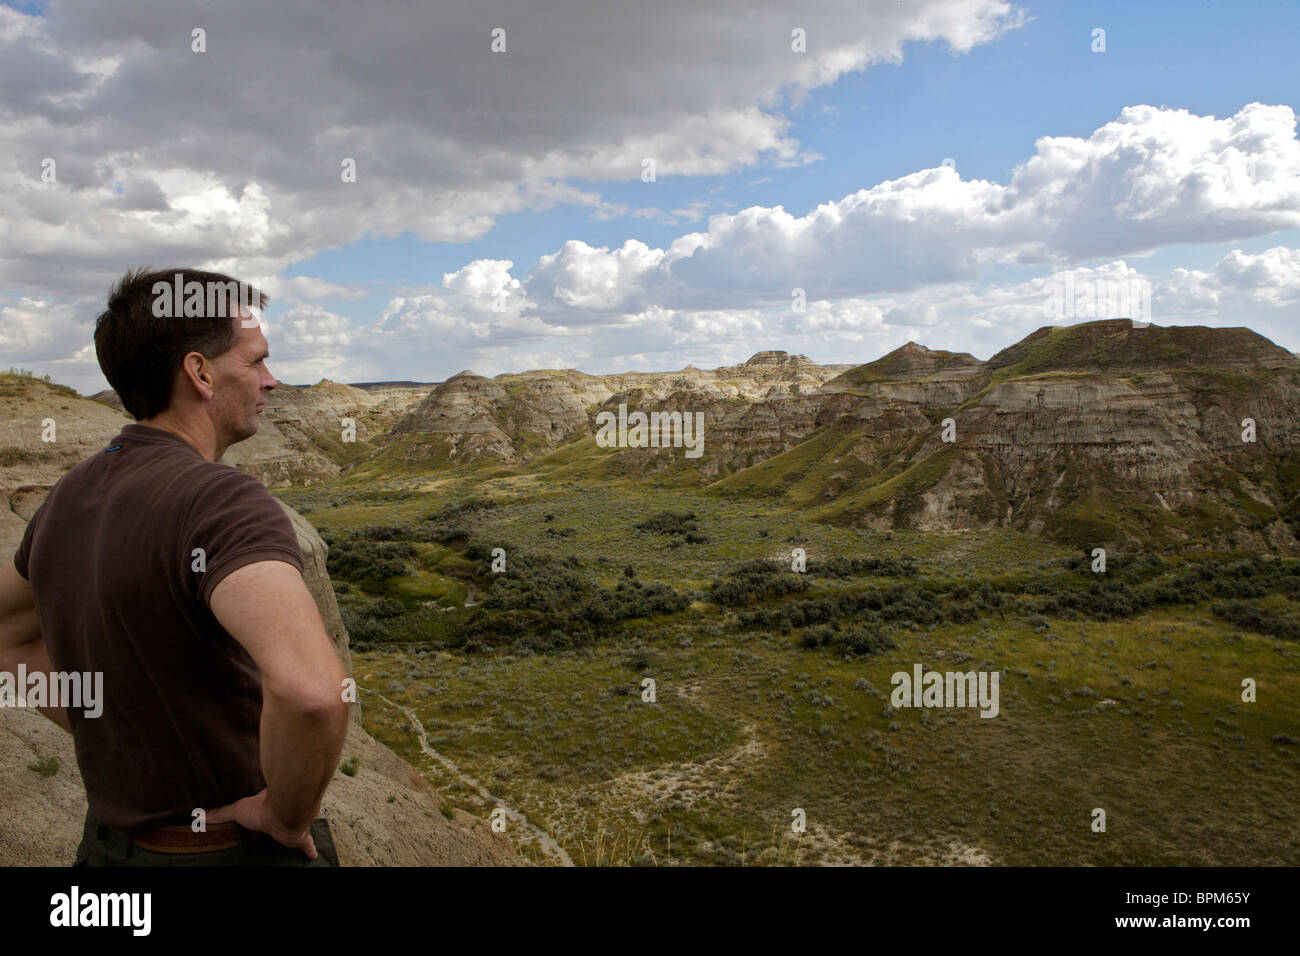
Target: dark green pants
<point x="100" y="846"/>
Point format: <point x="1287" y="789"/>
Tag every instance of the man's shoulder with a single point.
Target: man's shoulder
<point x="213" y="476"/>
<point x="192" y="482"/>
<point x="236" y="521"/>
<point x="220" y="487"/>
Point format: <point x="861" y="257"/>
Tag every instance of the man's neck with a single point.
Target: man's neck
<point x="200" y="435"/>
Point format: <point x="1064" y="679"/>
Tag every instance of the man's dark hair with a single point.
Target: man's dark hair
<point x="140" y="351"/>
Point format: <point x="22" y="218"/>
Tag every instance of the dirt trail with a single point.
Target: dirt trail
<point x="690" y="781"/>
<point x="547" y="843"/>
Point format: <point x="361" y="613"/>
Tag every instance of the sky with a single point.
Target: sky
<point x="628" y="186"/>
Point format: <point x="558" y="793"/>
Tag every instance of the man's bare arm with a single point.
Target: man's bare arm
<point x="267" y="608"/>
<point x="21" y="640"/>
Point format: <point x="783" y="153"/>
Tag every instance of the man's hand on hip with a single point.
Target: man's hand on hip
<point x="255" y="813"/>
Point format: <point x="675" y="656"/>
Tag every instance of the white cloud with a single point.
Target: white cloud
<point x="483" y="278"/>
<point x="1153" y="177"/>
<point x="1238" y="280"/>
<point x="159" y="163"/>
<point x="25" y="327"/>
<point x="579" y="276"/>
<point x="234" y="155"/>
<point x="310" y="328"/>
<point x="702" y="328"/>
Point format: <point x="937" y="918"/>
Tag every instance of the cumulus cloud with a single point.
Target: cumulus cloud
<point x="310" y="328"/>
<point x="581" y="277"/>
<point x="1237" y="281"/>
<point x="235" y="155"/>
<point x="1151" y="178"/>
<point x="24" y="326"/>
<point x="484" y="279"/>
<point x="452" y="331"/>
<point x="1260" y="291"/>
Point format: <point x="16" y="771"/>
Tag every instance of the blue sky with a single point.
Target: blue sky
<point x="358" y="296"/>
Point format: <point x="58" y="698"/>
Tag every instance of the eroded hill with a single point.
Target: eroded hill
<point x="1098" y="434"/>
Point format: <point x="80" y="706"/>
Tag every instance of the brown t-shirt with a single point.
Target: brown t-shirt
<point x="111" y="559"/>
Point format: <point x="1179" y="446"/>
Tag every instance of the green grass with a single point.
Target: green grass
<point x="747" y="726"/>
<point x="906" y="488"/>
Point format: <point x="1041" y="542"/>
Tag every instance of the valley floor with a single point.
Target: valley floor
<point x="750" y="733"/>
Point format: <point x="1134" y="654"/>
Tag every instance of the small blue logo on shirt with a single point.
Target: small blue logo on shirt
<point x="114" y="448"/>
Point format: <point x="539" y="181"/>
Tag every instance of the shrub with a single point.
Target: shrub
<point x="362" y="626"/>
<point x="460" y="509"/>
<point x="840" y="567"/>
<point x="669" y="522"/>
<point x="1265" y="620"/>
<point x="863" y="642"/>
<point x="552" y="603"/>
<point x="385" y="532"/>
<point x="357" y="559"/>
<point x="815" y="637"/>
<point x="387" y="607"/>
<point x="756" y="579"/>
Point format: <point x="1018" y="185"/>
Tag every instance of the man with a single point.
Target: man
<point x="180" y="580"/>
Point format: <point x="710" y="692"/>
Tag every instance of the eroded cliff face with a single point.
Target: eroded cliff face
<point x="41" y="816"/>
<point x="1099" y="433"/>
<point x="516" y="418"/>
<point x="301" y="439"/>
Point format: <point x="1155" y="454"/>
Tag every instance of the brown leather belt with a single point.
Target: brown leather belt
<point x="179" y="838"/>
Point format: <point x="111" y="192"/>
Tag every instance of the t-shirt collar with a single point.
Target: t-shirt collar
<point x="148" y="433"/>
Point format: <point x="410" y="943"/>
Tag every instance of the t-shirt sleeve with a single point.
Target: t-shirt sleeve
<point x="236" y="522"/>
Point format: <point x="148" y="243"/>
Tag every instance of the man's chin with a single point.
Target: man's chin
<point x="248" y="431"/>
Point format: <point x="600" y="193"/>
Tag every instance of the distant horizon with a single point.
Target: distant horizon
<point x="410" y="383"/>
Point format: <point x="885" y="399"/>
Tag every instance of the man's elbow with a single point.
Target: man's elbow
<point x="320" y="700"/>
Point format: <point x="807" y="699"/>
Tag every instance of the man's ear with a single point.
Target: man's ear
<point x="198" y="370"/>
